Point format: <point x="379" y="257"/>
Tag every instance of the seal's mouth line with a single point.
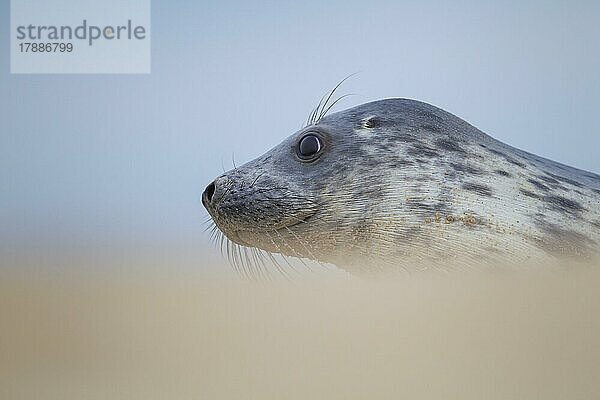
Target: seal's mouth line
<point x="298" y="221"/>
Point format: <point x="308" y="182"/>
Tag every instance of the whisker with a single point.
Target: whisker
<point x="314" y="113"/>
<point x="254" y="272"/>
<point x="284" y="242"/>
<point x="260" y="265"/>
<point x="256" y="179"/>
<point x="321" y="114"/>
<point x="334" y="103"/>
<point x="305" y="248"/>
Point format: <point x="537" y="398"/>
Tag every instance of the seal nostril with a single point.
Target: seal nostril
<point x="208" y="193"/>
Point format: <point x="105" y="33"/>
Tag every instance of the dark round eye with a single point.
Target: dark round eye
<point x="309" y="146"/>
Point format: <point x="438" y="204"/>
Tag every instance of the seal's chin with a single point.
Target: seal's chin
<point x="234" y="236"/>
<point x="268" y="239"/>
<point x="271" y="242"/>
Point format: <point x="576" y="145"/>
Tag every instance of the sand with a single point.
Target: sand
<point x="184" y="335"/>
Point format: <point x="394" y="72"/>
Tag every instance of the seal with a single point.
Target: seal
<point x="397" y="183"/>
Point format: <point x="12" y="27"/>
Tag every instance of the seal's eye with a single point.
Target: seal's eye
<point x="309" y="146"/>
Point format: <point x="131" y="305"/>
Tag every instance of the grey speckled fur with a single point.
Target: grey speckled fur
<point x="401" y="182"/>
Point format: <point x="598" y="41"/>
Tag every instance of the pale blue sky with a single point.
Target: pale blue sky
<point x="103" y="163"/>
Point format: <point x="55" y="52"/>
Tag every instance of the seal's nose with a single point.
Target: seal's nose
<point x="208" y="194"/>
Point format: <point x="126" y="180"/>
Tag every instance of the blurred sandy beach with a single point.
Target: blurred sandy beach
<point x="185" y="335"/>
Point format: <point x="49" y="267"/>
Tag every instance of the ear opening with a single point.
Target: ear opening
<point x="371" y="122"/>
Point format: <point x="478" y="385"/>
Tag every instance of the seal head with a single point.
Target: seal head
<point x="398" y="182"/>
